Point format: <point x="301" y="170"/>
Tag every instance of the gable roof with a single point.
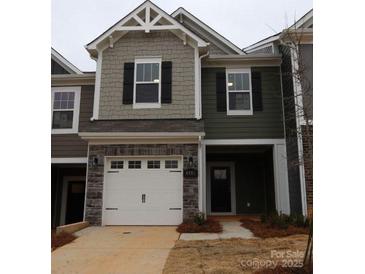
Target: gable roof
<point x="305" y="22"/>
<point x="141" y="19"/>
<point x="205" y="27"/>
<point x="63" y="62"/>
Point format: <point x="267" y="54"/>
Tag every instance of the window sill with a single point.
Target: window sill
<point x="146" y="105"/>
<point x="64" y="131"/>
<point x="239" y="112"/>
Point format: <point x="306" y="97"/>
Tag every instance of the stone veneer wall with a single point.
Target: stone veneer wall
<point x="94" y="196"/>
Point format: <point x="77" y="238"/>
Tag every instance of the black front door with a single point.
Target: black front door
<point x="75" y="201"/>
<point x="220" y="179"/>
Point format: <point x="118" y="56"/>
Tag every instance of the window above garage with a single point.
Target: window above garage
<point x="147" y="86"/>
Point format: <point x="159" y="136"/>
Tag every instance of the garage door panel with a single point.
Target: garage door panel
<point x="162" y="189"/>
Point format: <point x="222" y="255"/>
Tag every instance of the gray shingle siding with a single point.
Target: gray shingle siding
<point x="140" y="44"/>
<point x="262" y="124"/>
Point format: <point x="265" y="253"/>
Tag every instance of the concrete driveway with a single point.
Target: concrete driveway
<point x="116" y="249"/>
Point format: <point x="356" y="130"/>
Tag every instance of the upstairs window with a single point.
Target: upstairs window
<point x="65" y="109"/>
<point x="239" y="92"/>
<point x="147" y="88"/>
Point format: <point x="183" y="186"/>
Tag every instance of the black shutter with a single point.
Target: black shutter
<point x="221" y="90"/>
<point x="256" y="91"/>
<point x="166" y="82"/>
<point x="128" y="83"/>
<point x="166" y="79"/>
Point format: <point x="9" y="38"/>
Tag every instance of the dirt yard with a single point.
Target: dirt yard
<point x="234" y="255"/>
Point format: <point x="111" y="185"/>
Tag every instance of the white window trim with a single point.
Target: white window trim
<point x="144" y="61"/>
<point x="239" y="112"/>
<point x="76" y="110"/>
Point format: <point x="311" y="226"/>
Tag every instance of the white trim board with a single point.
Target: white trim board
<point x="147" y="26"/>
<point x="99" y="62"/>
<point x="147" y="60"/>
<point x="150" y="140"/>
<point x="81" y="160"/>
<point x="218" y="142"/>
<point x="76" y="109"/>
<point x="282" y="199"/>
<point x="63" y="62"/>
<point x="264" y="42"/>
<point x="249" y="90"/>
<point x="208" y="29"/>
<point x="96" y="135"/>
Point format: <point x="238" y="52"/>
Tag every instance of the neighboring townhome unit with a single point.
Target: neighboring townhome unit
<point x="72" y="103"/>
<point x="182" y="121"/>
<point x="295" y="44"/>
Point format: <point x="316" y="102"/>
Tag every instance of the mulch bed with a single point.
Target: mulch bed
<point x="58" y="240"/>
<point x="265" y="230"/>
<point x="285" y="270"/>
<point x="210" y="226"/>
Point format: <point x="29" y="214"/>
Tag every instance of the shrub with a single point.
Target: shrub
<point x="199" y="218"/>
<point x="283" y="221"/>
<point x="263" y="218"/>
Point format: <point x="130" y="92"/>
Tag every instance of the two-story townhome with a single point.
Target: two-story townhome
<point x="295" y="44"/>
<point x="176" y="120"/>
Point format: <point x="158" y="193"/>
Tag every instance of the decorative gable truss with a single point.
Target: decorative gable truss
<point x="147" y="17"/>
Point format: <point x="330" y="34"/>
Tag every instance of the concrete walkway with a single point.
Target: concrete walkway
<point x="116" y="249"/>
<point x="231" y="229"/>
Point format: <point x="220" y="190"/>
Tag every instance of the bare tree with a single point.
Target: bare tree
<point x="301" y="102"/>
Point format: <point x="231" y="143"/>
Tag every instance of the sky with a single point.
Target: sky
<point x="75" y="23"/>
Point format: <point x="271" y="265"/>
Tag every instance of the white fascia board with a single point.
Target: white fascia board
<point x="266" y="41"/>
<point x="72" y="160"/>
<point x="263" y="42"/>
<point x="147" y="4"/>
<point x="232" y="142"/>
<point x="184" y="12"/>
<point x="63" y="62"/>
<point x="140" y="135"/>
<point x="299" y="23"/>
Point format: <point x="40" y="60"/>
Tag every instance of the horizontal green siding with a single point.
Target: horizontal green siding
<point x="266" y="124"/>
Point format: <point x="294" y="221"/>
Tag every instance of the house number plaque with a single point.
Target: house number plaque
<point x="190" y="173"/>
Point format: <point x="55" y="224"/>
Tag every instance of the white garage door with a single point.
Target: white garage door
<point x="143" y="191"/>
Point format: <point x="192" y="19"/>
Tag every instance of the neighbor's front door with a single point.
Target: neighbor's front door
<point x="220" y="178"/>
<point x="75" y="201"/>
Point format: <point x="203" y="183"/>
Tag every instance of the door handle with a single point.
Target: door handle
<point x="143" y="198"/>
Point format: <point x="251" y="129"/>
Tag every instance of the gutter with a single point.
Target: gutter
<point x="73" y="79"/>
<point x="248" y="57"/>
<point x="138" y="135"/>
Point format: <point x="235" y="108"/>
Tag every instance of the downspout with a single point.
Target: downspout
<point x="200" y="83"/>
<point x="201" y="152"/>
